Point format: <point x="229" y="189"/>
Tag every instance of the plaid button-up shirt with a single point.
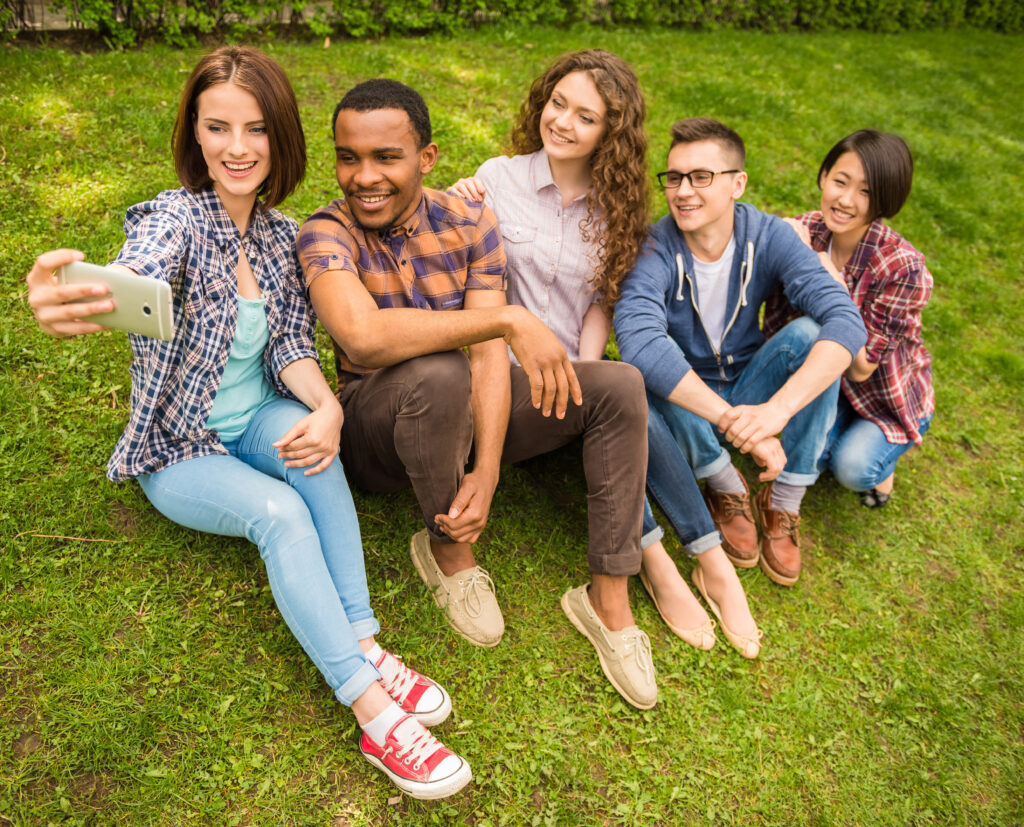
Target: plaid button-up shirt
<point x="890" y="284"/>
<point x="550" y="266"/>
<point x="187" y="239"/>
<point x="446" y="247"/>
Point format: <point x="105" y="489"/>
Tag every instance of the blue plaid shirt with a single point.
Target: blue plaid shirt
<point x="187" y="239"/>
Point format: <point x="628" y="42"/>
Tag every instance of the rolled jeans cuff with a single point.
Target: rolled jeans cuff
<point x="793" y="478"/>
<point x="652" y="536"/>
<point x="720" y="464"/>
<point x="705" y="543"/>
<point x="365" y="677"/>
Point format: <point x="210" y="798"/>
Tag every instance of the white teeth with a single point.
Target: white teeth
<point x="239" y="167"/>
<point x="371" y="199"/>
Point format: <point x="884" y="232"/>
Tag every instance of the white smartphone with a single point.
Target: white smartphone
<point x="141" y="305"/>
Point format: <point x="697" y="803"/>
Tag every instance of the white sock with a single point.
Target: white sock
<point x="373" y="655"/>
<point x="727" y="481"/>
<point x="380" y="726"/>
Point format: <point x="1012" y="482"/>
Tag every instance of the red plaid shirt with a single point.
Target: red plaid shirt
<point x="888" y="281"/>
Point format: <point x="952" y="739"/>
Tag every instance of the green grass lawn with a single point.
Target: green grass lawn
<point x="147" y="677"/>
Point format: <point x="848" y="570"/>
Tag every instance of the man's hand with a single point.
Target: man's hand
<point x="467" y="516"/>
<point x="547" y="365"/>
<point x="54" y="305"/>
<point x="769" y="455"/>
<point x="746" y="425"/>
<point x="313" y="440"/>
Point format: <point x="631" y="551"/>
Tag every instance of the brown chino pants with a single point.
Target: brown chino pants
<point x="412" y="424"/>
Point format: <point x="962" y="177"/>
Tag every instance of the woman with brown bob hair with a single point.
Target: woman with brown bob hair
<point x="233" y="429"/>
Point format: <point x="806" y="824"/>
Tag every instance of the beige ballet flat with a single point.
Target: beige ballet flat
<point x="748" y="645"/>
<point x="703" y="637"/>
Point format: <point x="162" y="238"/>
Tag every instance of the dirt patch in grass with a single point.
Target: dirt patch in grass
<point x="27" y="743"/>
<point x="124" y="519"/>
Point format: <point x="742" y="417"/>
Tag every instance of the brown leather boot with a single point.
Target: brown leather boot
<point x="732" y="516"/>
<point x="780" y="540"/>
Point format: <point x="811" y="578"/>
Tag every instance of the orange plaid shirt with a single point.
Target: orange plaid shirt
<point x="446" y="247"/>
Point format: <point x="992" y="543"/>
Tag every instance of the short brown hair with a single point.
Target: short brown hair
<point x="888" y="168"/>
<point x="261" y="77"/>
<point x="691" y="130"/>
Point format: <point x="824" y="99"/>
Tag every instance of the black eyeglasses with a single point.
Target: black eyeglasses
<point x="699" y="178"/>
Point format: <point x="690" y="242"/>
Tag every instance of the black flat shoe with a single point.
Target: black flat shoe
<point x="873" y="498"/>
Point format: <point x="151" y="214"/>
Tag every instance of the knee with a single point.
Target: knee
<point x="441" y="385"/>
<point x="800" y="334"/>
<point x="853" y="469"/>
<point x="617" y="384"/>
<point x="285" y="521"/>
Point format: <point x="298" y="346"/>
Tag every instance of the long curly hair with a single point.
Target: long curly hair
<point x="618" y="199"/>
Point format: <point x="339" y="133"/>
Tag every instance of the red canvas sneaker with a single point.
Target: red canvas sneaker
<point x="424" y="699"/>
<point x="418" y="764"/>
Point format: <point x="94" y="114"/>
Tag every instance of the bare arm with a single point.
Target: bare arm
<point x="314" y="439"/>
<point x="374" y="338"/>
<point x="746" y="425"/>
<point x="694" y="395"/>
<point x="491" y="401"/>
<point x="594" y="334"/>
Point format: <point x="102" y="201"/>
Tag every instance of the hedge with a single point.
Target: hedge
<point x="178" y="22"/>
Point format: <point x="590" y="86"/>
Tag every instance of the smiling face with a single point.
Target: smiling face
<point x="573" y="120"/>
<point x="705" y="209"/>
<point x="845" y="198"/>
<point x="379" y="166"/>
<point x="230" y="130"/>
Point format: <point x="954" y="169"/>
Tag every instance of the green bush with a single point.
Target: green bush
<point x="178" y="22"/>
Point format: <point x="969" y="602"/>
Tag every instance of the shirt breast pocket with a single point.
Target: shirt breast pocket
<point x="520" y="245"/>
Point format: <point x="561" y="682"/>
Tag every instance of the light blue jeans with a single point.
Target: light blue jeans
<point x="803" y="438"/>
<point x="858" y="454"/>
<point x="306" y="530"/>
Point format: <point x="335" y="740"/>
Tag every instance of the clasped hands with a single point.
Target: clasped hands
<point x="752" y="429"/>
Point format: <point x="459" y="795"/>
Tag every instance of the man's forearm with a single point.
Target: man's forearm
<point x="694" y="395"/>
<point x="823" y="365"/>
<point x="375" y="337"/>
<point x="491" y="400"/>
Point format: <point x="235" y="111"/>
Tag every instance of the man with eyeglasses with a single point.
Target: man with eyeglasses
<point x="689" y="320"/>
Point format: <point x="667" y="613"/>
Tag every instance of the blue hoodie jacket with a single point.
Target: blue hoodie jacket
<point x="658" y="325"/>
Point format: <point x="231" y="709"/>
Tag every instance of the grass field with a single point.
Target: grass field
<point x="147" y="677"/>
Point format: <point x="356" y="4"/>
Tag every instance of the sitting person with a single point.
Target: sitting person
<point x="688" y="318"/>
<point x="233" y="429"/>
<point x="887" y="400"/>
<point x="402" y="277"/>
<point x="572" y="206"/>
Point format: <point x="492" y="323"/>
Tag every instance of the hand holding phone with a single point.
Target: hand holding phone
<point x="141" y="305"/>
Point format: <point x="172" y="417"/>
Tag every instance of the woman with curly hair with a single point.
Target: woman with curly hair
<point x="573" y="207"/>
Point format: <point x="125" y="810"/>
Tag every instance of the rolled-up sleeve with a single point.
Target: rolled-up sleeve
<point x="486" y="267"/>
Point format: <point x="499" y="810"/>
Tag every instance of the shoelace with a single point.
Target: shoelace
<point x="733" y="504"/>
<point x="641" y="645"/>
<point x="420" y="748"/>
<point x="479" y="580"/>
<point x="399" y="685"/>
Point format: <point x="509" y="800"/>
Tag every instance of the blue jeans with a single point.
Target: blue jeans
<point x="803" y="438"/>
<point x="857" y="452"/>
<point x="306" y="530"/>
<point x="671" y="482"/>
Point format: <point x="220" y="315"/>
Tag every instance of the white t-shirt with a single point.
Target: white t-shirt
<point x="712" y="279"/>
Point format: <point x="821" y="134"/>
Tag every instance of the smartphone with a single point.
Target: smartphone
<point x="141" y="305"/>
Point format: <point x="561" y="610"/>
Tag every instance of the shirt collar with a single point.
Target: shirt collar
<point x="865" y="247"/>
<point x="224" y="229"/>
<point x="540" y="175"/>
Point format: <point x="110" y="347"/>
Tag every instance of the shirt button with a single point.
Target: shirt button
<point x="403" y="261"/>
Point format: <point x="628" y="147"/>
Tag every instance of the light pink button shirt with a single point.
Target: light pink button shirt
<point x="549" y="264"/>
